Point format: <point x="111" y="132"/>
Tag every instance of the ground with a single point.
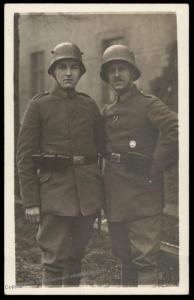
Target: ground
<point x="99" y="265"/>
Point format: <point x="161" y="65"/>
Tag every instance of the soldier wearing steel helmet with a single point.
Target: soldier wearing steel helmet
<point x="59" y="148"/>
<point x="141" y="142"/>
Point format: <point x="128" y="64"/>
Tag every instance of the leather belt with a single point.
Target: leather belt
<point x="125" y="158"/>
<point x="60" y="162"/>
<point x="134" y="160"/>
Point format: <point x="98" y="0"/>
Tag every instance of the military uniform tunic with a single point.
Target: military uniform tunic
<point x="142" y="124"/>
<point x="67" y="124"/>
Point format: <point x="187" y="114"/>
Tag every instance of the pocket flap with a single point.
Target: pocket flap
<point x="45" y="176"/>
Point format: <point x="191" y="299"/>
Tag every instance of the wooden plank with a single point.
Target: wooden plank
<point x="170" y="249"/>
<point x="171" y="209"/>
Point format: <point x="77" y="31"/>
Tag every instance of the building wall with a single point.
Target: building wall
<point x="147" y="35"/>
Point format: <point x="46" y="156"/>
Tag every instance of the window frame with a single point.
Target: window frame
<point x="37" y="69"/>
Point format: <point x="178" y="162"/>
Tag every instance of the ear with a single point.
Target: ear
<point x="80" y="71"/>
<point x="132" y="72"/>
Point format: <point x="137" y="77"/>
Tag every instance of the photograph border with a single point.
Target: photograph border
<point x="182" y="13"/>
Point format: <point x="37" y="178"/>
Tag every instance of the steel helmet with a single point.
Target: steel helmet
<point x="66" y="50"/>
<point x="119" y="52"/>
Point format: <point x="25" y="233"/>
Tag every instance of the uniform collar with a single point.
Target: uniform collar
<point x="58" y="91"/>
<point x="130" y="92"/>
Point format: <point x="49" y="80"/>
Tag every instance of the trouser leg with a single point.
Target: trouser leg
<point x="129" y="274"/>
<point x="81" y="230"/>
<point x="54" y="240"/>
<point x="145" y="239"/>
<point x="52" y="278"/>
<point x="121" y="249"/>
<point x="63" y="241"/>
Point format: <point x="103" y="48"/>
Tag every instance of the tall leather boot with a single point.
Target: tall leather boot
<point x="72" y="274"/>
<point x="129" y="274"/>
<point x="72" y="280"/>
<point x="52" y="278"/>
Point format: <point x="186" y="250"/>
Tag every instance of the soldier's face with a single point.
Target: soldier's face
<point x="67" y="73"/>
<point x="119" y="75"/>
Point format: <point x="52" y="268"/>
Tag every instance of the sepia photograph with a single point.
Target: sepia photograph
<point x="96" y="149"/>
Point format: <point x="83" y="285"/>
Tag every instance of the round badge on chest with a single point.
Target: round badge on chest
<point x="132" y="144"/>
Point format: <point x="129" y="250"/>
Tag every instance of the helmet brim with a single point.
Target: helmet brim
<point x="134" y="68"/>
<point x="54" y="62"/>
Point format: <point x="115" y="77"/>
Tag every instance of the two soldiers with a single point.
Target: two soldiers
<point x="62" y="136"/>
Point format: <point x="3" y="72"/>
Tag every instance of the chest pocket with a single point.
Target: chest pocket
<point x="140" y="180"/>
<point x="55" y="123"/>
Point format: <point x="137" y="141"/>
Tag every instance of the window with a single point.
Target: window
<point x="107" y="92"/>
<point x="37" y="72"/>
<point x="113" y="41"/>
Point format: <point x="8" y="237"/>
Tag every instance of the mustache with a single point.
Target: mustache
<point x="118" y="80"/>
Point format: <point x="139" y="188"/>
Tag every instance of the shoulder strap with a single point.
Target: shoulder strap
<point x="83" y="94"/>
<point x="37" y="96"/>
<point x="148" y="95"/>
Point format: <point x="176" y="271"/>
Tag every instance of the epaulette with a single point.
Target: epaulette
<point x="148" y="95"/>
<point x="83" y="94"/>
<point x="40" y="95"/>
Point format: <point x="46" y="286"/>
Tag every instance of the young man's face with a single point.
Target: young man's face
<point x="67" y="73"/>
<point x="120" y="76"/>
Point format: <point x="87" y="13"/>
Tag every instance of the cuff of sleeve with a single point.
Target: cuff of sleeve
<point x="26" y="205"/>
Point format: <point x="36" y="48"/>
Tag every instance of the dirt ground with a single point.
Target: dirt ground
<point x="99" y="265"/>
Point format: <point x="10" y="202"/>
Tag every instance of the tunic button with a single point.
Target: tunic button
<point x="132" y="144"/>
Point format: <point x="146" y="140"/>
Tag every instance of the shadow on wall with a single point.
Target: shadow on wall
<point x="166" y="88"/>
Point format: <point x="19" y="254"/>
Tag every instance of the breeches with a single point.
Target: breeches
<point x="62" y="241"/>
<point x="138" y="242"/>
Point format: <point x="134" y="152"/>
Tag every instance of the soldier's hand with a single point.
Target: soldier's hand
<point x="33" y="214"/>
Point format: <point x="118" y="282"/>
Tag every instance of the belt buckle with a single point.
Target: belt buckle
<point x="78" y="159"/>
<point x="115" y="157"/>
